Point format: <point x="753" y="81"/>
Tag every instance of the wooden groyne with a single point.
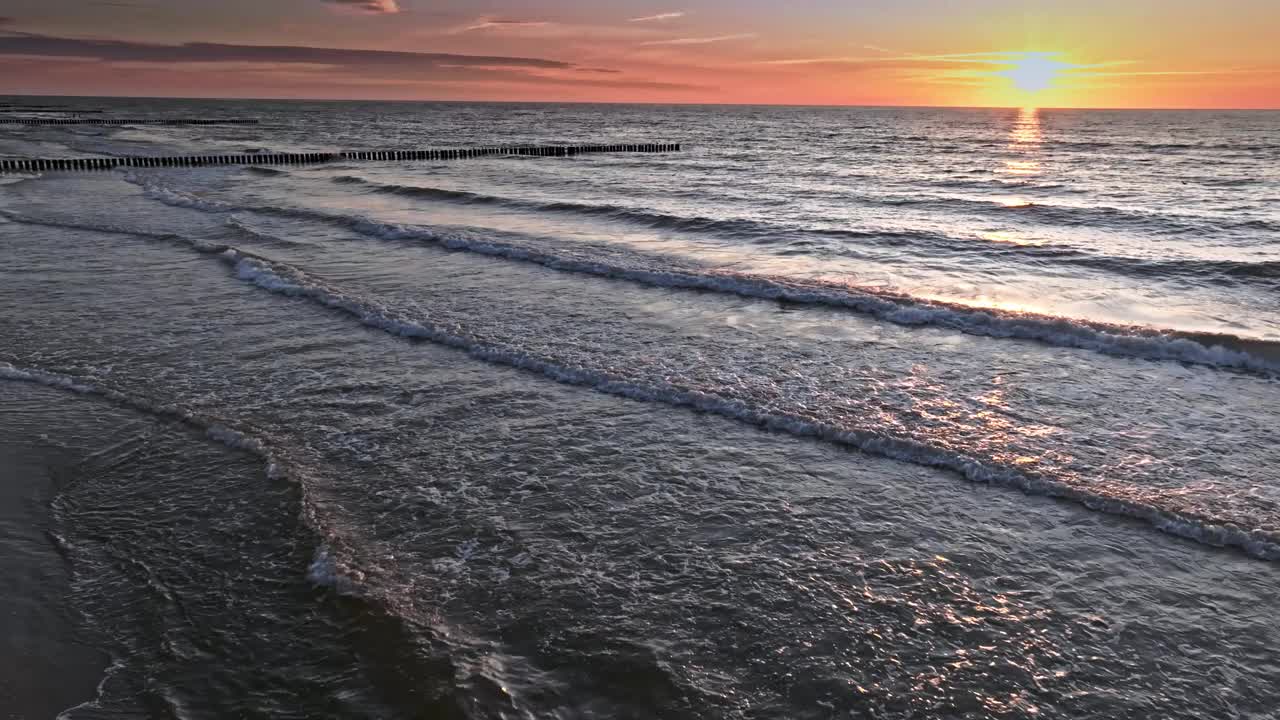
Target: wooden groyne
<point x="109" y="163"/>
<point x="125" y="121"/>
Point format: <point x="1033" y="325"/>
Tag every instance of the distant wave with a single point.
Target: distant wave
<point x="1207" y="349"/>
<point x="266" y="171"/>
<point x="174" y="197"/>
<point x="1226" y="182"/>
<point x="1099" y="216"/>
<point x="765" y="232"/>
<point x="1219" y="272"/>
<point x="89" y="226"/>
<point x="1225" y="351"/>
<point x="1156" y="147"/>
<point x="246" y="228"/>
<point x="1008" y="185"/>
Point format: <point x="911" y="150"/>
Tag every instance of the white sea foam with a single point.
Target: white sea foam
<point x="287" y="280"/>
<point x="212" y="429"/>
<point x="326" y="569"/>
<point x="95" y="703"/>
<point x="90" y="227"/>
<point x="1142" y="343"/>
<point x="176" y="198"/>
<point x="894" y="308"/>
<point x="283" y="279"/>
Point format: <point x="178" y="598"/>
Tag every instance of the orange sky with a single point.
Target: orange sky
<point x="1090" y="53"/>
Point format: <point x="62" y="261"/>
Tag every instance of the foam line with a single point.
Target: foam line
<point x="213" y="429"/>
<point x="290" y="281"/>
<point x="1220" y="350"/>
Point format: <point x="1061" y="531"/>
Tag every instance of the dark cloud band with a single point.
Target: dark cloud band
<point x="370" y="6"/>
<point x="317" y="65"/>
<point x="120" y="50"/>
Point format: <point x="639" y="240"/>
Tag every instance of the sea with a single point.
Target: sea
<point x="836" y="413"/>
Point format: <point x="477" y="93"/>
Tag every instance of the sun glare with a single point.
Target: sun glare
<point x="1034" y="72"/>
<point x="1025" y="78"/>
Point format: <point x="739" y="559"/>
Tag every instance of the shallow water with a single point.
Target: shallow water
<point x="792" y="424"/>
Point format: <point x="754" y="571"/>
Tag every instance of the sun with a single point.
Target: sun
<point x="1034" y="72"/>
<point x="1023" y="78"/>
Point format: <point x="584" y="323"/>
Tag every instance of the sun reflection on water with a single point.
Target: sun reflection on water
<point x="1024" y="141"/>
<point x="1010" y="237"/>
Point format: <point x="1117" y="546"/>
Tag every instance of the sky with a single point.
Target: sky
<point x="1003" y="53"/>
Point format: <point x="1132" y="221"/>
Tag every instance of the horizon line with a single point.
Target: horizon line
<point x="643" y="103"/>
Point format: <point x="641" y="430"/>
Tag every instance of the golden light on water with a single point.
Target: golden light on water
<point x="1026" y="128"/>
<point x="1010" y="237"/>
<point x="1022" y="167"/>
<point x="1025" y="138"/>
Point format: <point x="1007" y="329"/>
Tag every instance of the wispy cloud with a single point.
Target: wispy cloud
<point x="488" y="23"/>
<point x="977" y="58"/>
<point x="841" y="60"/>
<point x="124" y="50"/>
<point x="1024" y="68"/>
<point x="380" y="7"/>
<point x="1226" y="71"/>
<point x="659" y="17"/>
<point x="320" y="65"/>
<point x="1027" y="70"/>
<point x="701" y="40"/>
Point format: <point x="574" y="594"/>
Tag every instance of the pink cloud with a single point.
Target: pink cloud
<point x="380" y="7"/>
<point x="486" y="23"/>
<point x="659" y="17"/>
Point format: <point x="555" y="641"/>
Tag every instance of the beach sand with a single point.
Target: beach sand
<point x="46" y="666"/>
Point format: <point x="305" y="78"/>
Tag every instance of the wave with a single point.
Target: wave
<point x="284" y="279"/>
<point x="1218" y="350"/>
<point x="1214" y="271"/>
<point x="1148" y="343"/>
<point x="1010" y="185"/>
<point x="26" y="176"/>
<point x="1149" y="147"/>
<point x="329" y="568"/>
<point x="291" y="281"/>
<point x="336" y="563"/>
<point x="1226" y="182"/>
<point x="216" y="430"/>
<point x="174" y="197"/>
<point x="87" y="226"/>
<point x="1209" y="349"/>
<point x="266" y="171"/>
<point x="1259" y="224"/>
<point x="247" y="229"/>
<point x="771" y="233"/>
<point x="766" y="233"/>
<point x="744" y="229"/>
<point x="1080" y="216"/>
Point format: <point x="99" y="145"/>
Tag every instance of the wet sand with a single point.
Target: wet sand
<point x="45" y="664"/>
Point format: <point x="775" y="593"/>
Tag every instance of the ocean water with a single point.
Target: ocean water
<point x="841" y="412"/>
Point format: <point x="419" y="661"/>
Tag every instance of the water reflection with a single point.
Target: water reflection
<point x="1024" y="141"/>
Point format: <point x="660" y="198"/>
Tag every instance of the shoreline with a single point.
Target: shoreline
<point x="47" y="666"/>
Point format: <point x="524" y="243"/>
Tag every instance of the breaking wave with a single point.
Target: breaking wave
<point x="291" y="281"/>
<point x="1216" y="350"/>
